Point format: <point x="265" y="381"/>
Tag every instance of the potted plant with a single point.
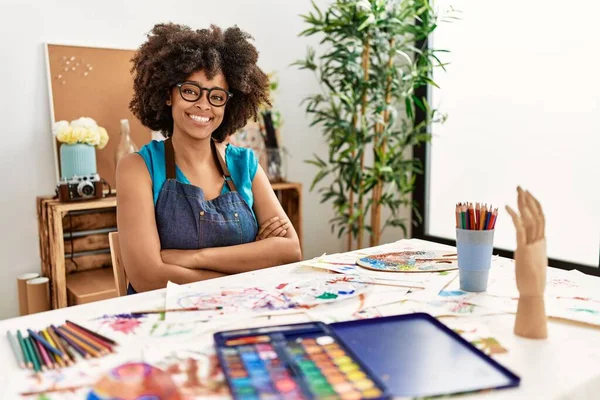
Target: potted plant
<point x="79" y="140"/>
<point x="372" y="61"/>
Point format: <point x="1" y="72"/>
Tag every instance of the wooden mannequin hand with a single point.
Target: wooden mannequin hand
<point x="531" y="262"/>
<point x="530" y="256"/>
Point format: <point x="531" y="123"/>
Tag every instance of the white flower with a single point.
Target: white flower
<point x="60" y="127"/>
<point x="84" y="122"/>
<point x="103" y="138"/>
<point x="82" y="130"/>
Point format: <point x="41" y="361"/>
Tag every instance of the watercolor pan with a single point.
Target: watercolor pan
<point x="412" y="355"/>
<point x="302" y="363"/>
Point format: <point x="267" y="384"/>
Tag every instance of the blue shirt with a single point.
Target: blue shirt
<point x="242" y="164"/>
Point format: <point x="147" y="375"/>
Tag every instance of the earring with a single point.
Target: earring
<point x="168" y="102"/>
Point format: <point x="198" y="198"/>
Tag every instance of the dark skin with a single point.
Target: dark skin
<point x="150" y="267"/>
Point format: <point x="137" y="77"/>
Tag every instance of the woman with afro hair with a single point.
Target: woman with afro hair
<point x="190" y="207"/>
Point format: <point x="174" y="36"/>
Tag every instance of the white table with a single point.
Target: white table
<point x="564" y="366"/>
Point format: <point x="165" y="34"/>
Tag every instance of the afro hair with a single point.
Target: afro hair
<point x="173" y="52"/>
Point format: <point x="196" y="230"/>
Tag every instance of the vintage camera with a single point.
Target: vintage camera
<point x="80" y="188"/>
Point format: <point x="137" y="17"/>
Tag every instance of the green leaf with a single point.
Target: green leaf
<point x="368" y="21"/>
<point x="320" y="175"/>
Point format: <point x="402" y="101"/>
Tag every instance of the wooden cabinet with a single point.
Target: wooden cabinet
<point x="74" y="247"/>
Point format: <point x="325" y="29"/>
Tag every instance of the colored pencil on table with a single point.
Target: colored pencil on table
<point x="28" y="354"/>
<point x="59" y="342"/>
<point x="44" y="353"/>
<point x="38" y="355"/>
<point x="91" y="337"/>
<point x="463" y="218"/>
<point x="92" y="333"/>
<point x="71" y="343"/>
<point x="16" y="349"/>
<point x="478" y="216"/>
<point x="488" y="215"/>
<point x="25" y="351"/>
<point x="37" y="364"/>
<point x="45" y="343"/>
<point x="83" y="351"/>
<point x="177" y="310"/>
<point x="93" y="345"/>
<point x="91" y="351"/>
<point x="59" y="360"/>
<point x="48" y="356"/>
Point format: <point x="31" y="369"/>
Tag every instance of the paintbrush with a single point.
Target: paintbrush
<point x="388" y="284"/>
<point x="216" y="308"/>
<point x="436" y="259"/>
<point x="55" y="390"/>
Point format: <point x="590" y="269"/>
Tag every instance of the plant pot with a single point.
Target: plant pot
<point x="77" y="159"/>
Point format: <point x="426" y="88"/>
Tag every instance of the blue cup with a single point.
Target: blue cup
<point x="474" y="250"/>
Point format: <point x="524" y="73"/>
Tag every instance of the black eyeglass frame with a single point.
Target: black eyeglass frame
<point x="201" y="92"/>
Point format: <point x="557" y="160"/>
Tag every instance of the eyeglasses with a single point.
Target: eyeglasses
<point x="192" y="92"/>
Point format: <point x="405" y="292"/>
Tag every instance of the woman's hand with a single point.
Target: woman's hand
<point x="183" y="258"/>
<point x="274" y="227"/>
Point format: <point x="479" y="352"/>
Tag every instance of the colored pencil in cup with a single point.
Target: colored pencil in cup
<point x="483" y="216"/>
<point x="472" y="214"/>
<point x="476" y="216"/>
<point x="493" y="219"/>
<point x="457" y="214"/>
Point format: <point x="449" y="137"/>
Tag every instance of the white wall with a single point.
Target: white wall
<point x="26" y="153"/>
<point x="521" y="93"/>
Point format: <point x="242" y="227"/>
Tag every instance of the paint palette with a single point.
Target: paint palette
<point x="318" y="291"/>
<point x="407" y="356"/>
<point x="303" y="363"/>
<point x="410" y="261"/>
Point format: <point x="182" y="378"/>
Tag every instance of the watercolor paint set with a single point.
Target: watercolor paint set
<point x="412" y="355"/>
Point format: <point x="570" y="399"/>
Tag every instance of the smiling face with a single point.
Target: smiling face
<point x="197" y="119"/>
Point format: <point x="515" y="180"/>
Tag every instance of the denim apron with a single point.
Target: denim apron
<point x="186" y="220"/>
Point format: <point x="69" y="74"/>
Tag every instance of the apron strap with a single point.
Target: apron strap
<point x="221" y="164"/>
<point x="170" y="159"/>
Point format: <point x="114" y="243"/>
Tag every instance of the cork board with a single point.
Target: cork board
<point x="97" y="83"/>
